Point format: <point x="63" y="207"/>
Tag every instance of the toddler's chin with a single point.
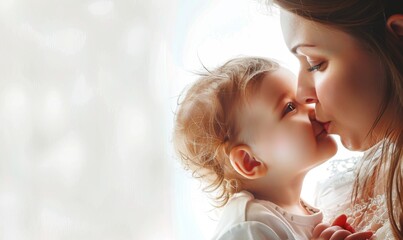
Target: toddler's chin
<point x="328" y="146"/>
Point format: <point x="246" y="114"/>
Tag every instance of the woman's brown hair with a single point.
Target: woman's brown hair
<point x="206" y="126"/>
<point x="366" y="20"/>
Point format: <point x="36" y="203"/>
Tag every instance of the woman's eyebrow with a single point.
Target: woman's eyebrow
<point x="295" y="48"/>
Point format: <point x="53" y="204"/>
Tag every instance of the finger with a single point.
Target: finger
<point x="340" y="221"/>
<point x="340" y="235"/>
<point x="319" y="229"/>
<point x="327" y="233"/>
<point x="348" y="227"/>
<point x="360" y="236"/>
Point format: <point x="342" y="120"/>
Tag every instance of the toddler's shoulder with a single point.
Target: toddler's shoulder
<point x="244" y="217"/>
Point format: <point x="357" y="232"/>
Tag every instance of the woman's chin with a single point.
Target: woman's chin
<point x="355" y="144"/>
<point x="347" y="143"/>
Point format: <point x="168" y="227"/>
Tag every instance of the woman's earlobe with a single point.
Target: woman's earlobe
<point x="245" y="164"/>
<point x="395" y="25"/>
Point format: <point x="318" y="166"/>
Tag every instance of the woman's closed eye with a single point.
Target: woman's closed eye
<point x="315" y="67"/>
<point x="289" y="107"/>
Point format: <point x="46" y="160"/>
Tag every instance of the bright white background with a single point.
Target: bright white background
<point x="88" y="89"/>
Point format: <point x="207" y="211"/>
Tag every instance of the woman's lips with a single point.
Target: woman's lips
<point x="326" y="126"/>
<point x="318" y="128"/>
<point x="321" y="129"/>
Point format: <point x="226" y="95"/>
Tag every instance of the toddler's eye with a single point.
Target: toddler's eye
<point x="289" y="107"/>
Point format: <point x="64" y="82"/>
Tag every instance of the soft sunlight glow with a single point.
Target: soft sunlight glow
<point x="100" y="7"/>
<point x="68" y="41"/>
<point x="82" y="92"/>
<point x="63" y="161"/>
<point x="14" y="101"/>
<point x="131" y="130"/>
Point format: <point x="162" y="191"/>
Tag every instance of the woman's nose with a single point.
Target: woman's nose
<point x="306" y="92"/>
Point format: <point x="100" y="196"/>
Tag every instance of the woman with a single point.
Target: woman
<point x="351" y="56"/>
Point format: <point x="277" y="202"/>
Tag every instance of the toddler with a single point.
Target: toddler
<point x="241" y="131"/>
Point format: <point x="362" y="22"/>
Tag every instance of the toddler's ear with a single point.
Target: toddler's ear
<point x="244" y="163"/>
<point x="395" y="25"/>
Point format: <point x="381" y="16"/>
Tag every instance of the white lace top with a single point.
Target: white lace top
<point x="334" y="198"/>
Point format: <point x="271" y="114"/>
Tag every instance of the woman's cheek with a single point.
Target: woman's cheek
<point x="331" y="90"/>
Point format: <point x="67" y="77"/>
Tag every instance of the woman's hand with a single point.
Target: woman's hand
<point x="339" y="230"/>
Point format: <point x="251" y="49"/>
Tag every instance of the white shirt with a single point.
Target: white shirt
<point x="334" y="198"/>
<point x="245" y="217"/>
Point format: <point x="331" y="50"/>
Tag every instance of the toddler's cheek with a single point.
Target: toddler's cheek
<point x="285" y="148"/>
<point x="290" y="148"/>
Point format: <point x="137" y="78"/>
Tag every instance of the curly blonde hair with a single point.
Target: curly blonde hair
<point x="206" y="126"/>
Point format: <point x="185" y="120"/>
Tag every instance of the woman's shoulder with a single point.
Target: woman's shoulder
<point x="333" y="193"/>
<point x="333" y="197"/>
<point x="339" y="172"/>
<point x="343" y="165"/>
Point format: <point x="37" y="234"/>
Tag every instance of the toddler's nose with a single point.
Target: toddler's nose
<point x="312" y="114"/>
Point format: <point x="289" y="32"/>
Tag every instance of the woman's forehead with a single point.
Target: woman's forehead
<point x="295" y="29"/>
<point x="298" y="31"/>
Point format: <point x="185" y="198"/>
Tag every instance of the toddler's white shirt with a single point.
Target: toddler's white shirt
<point x="245" y="217"/>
